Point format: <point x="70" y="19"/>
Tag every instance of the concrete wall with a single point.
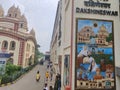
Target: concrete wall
<point x="16" y="51"/>
<point x="28" y="52"/>
<point x="67" y="25"/>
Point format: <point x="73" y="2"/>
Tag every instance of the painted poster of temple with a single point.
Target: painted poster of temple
<point x="95" y="57"/>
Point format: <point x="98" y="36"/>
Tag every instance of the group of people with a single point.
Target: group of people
<point x="46" y="87"/>
<point x="38" y="76"/>
<point x="57" y="85"/>
<point x="49" y="76"/>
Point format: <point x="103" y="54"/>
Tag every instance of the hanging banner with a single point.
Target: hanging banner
<point x="95" y="55"/>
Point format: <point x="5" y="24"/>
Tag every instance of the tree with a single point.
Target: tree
<point x="37" y="53"/>
<point x="109" y="38"/>
<point x="11" y="69"/>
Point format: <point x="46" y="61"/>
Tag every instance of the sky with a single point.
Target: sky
<point x="40" y="15"/>
<point x="83" y="23"/>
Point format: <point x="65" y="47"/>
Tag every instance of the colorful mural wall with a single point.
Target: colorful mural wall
<point x="95" y="55"/>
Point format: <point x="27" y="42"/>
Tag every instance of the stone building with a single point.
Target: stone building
<point x="101" y="37"/>
<point x="85" y="34"/>
<point x="15" y="37"/>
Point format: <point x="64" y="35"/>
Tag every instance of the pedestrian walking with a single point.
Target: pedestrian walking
<point x="48" y="66"/>
<point x="47" y="75"/>
<point x="38" y="76"/>
<point x="56" y="83"/>
<point x="45" y="87"/>
<point x="59" y="83"/>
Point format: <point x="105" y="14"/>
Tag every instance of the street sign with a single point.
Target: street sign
<point x="5" y="55"/>
<point x="3" y="59"/>
<point x="2" y="65"/>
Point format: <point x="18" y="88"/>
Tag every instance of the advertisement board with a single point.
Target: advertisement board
<point x="94" y="55"/>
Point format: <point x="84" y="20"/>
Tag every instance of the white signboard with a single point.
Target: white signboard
<point x="2" y="65"/>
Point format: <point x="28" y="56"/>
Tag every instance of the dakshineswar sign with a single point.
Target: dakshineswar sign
<point x="97" y="4"/>
<point x="95" y="61"/>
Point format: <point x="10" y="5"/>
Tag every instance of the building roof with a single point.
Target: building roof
<point x="14" y="17"/>
<point x="32" y="32"/>
<point x="23" y="18"/>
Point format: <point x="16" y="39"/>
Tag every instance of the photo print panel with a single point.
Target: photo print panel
<point x="94" y="55"/>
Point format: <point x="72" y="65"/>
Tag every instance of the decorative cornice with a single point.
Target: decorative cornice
<point x="17" y="34"/>
<point x="6" y="19"/>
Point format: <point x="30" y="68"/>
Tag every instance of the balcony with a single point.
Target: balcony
<point x="117" y="71"/>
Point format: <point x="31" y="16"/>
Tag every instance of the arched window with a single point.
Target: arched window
<point x="4" y="45"/>
<point x="12" y="45"/>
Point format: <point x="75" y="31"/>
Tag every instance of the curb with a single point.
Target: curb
<point x="2" y="85"/>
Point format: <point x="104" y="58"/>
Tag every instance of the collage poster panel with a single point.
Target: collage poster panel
<point x="95" y="57"/>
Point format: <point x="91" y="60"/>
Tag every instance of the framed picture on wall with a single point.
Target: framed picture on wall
<point x="94" y="55"/>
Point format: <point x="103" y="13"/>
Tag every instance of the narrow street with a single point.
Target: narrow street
<point x="28" y="81"/>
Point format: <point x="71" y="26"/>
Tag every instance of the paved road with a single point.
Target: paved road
<point x="28" y="82"/>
